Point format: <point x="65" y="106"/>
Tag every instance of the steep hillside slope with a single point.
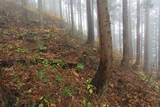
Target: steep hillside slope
<point x="51" y="68"/>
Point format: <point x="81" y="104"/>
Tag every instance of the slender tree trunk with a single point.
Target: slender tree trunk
<point x="130" y="35"/>
<point x="80" y="16"/>
<point x="90" y="39"/>
<point x="120" y="37"/>
<point x="60" y="8"/>
<point x="159" y="44"/>
<point x="138" y="35"/>
<point x="113" y="38"/>
<point x="146" y="41"/>
<point x="101" y="79"/>
<point x="142" y="38"/>
<point x="72" y="16"/>
<point x="120" y="30"/>
<point x="40" y="12"/>
<point x="125" y="60"/>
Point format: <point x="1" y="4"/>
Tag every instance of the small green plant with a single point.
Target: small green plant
<point x="104" y="105"/>
<point x="17" y="99"/>
<point x="46" y="100"/>
<point x="42" y="49"/>
<point x="21" y="50"/>
<point x="41" y="73"/>
<point x="45" y="62"/>
<point x="59" y="79"/>
<point x="89" y="104"/>
<point x="39" y="60"/>
<point x="20" y="61"/>
<point x="80" y="66"/>
<point x="33" y="105"/>
<point x="94" y="49"/>
<point x="89" y="86"/>
<point x="67" y="93"/>
<point x="40" y="105"/>
<point x="70" y="105"/>
<point x="29" y="91"/>
<point x="86" y="103"/>
<point x="5" y="33"/>
<point x="58" y="62"/>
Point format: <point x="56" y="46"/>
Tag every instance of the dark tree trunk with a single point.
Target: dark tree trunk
<point x="101" y="79"/>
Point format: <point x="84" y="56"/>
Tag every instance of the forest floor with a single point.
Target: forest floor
<point x="49" y="67"/>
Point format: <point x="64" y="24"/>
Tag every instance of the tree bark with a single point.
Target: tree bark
<point x="60" y="8"/>
<point x="40" y="12"/>
<point x="159" y="44"/>
<point x="90" y="39"/>
<point x="138" y="35"/>
<point x="103" y="75"/>
<point x="80" y="16"/>
<point x="125" y="60"/>
<point x="72" y="16"/>
<point x="146" y="47"/>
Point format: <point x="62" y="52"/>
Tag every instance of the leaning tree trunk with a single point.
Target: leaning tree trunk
<point x="101" y="79"/>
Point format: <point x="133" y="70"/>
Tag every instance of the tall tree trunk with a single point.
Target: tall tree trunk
<point x="80" y="16"/>
<point x="159" y="44"/>
<point x="101" y="79"/>
<point x="120" y="37"/>
<point x="72" y="16"/>
<point x="40" y="12"/>
<point x="120" y="30"/>
<point x="125" y="60"/>
<point x="146" y="41"/>
<point x="90" y="39"/>
<point x="138" y="35"/>
<point x="130" y="35"/>
<point x="60" y="8"/>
